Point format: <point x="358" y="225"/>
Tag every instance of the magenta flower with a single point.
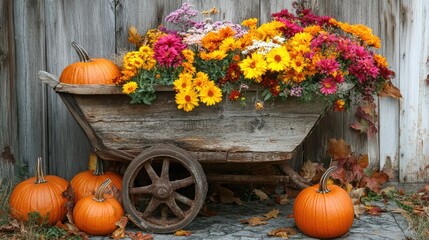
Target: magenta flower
<point x="168" y="50"/>
<point x="328" y="86"/>
<point x="364" y="69"/>
<point x="327" y="66"/>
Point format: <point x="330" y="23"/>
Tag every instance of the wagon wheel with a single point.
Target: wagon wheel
<point x="163" y="189"/>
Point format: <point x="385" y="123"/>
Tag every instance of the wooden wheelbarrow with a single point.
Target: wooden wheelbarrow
<point x="165" y="185"/>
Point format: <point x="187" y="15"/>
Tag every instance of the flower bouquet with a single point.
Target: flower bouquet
<point x="295" y="55"/>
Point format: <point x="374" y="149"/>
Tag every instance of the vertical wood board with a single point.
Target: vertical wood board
<point x="388" y="107"/>
<point x="30" y="57"/>
<point x="414" y="69"/>
<point x="92" y="25"/>
<point x="8" y="114"/>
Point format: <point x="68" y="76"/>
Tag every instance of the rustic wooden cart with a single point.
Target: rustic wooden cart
<point x="164" y="185"/>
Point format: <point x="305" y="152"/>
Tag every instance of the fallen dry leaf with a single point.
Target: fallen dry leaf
<point x="139" y="236"/>
<point x="374" y="210"/>
<point x="357" y="193"/>
<point x="262" y="196"/>
<point x="13" y="226"/>
<point x="359" y="209"/>
<point x="226" y="195"/>
<point x="282" y="199"/>
<point x="69" y="195"/>
<point x="205" y="211"/>
<point x="120" y="232"/>
<point x="255" y="221"/>
<point x="272" y="214"/>
<point x="182" y="233"/>
<point x="282" y="232"/>
<point x="338" y="149"/>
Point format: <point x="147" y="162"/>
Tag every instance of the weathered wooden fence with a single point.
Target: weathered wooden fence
<point x="36" y="35"/>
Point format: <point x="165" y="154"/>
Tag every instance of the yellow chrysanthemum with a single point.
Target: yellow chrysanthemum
<point x="129" y="87"/>
<point x="184" y="81"/>
<point x="313" y="29"/>
<point x="253" y="66"/>
<point x="380" y="60"/>
<point x="201" y="79"/>
<point x="298" y="63"/>
<point x="228" y="44"/>
<point x="269" y="30"/>
<point x="213" y="55"/>
<point x="251" y="22"/>
<point x="187" y="99"/>
<point x="188" y="68"/>
<point x="361" y="31"/>
<point x="189" y="55"/>
<point x="277" y="59"/>
<point x="210" y="94"/>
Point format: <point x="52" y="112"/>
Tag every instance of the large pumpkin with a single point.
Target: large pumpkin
<point x="40" y="194"/>
<point x="97" y="215"/>
<point x="323" y="211"/>
<point x="89" y="70"/>
<point x="86" y="183"/>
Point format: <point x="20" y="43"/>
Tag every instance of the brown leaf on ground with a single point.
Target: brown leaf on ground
<point x="115" y="192"/>
<point x="282" y="232"/>
<point x="120" y="232"/>
<point x="182" y="233"/>
<point x="262" y="196"/>
<point x="357" y="193"/>
<point x="255" y="221"/>
<point x="139" y="236"/>
<point x="374" y="210"/>
<point x="282" y="199"/>
<point x="359" y="210"/>
<point x="272" y="214"/>
<point x="226" y="195"/>
<point x="205" y="211"/>
<point x="338" y="149"/>
<point x="389" y="90"/>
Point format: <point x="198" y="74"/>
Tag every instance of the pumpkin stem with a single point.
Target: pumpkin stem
<point x="39" y="172"/>
<point x="99" y="168"/>
<point x="99" y="194"/>
<point x="81" y="52"/>
<point x="323" y="184"/>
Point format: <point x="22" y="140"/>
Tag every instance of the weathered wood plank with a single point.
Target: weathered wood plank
<point x="225" y="128"/>
<point x="30" y="57"/>
<point x="389" y="108"/>
<point x="8" y="101"/>
<point x="92" y="25"/>
<point x="414" y="69"/>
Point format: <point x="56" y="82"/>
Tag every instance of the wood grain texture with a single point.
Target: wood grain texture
<point x="30" y="57"/>
<point x="389" y="108"/>
<point x="225" y="128"/>
<point x="8" y="101"/>
<point x="414" y="69"/>
<point x="92" y="25"/>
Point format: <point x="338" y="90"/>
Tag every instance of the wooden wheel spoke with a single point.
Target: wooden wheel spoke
<point x="165" y="169"/>
<point x="177" y="184"/>
<point x="175" y="208"/>
<point x="164" y="212"/>
<point x="152" y="174"/>
<point x="140" y="190"/>
<point x="181" y="198"/>
<point x="151" y="207"/>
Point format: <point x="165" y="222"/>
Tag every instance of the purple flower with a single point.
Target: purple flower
<point x="182" y="17"/>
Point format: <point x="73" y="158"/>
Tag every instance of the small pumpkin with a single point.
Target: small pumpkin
<point x="86" y="183"/>
<point x="97" y="214"/>
<point x="323" y="211"/>
<point x="89" y="70"/>
<point x="40" y="194"/>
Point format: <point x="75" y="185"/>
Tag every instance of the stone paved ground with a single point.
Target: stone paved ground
<point x="226" y="224"/>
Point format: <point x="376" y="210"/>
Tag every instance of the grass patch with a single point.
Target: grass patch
<point x="12" y="229"/>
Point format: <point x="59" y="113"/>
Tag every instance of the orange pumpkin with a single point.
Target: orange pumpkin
<point x="40" y="194"/>
<point x="89" y="70"/>
<point x="86" y="183"/>
<point x="97" y="215"/>
<point x="323" y="211"/>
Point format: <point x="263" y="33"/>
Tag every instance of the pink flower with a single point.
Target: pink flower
<point x="327" y="66"/>
<point x="328" y="86"/>
<point x="364" y="69"/>
<point x="168" y="50"/>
